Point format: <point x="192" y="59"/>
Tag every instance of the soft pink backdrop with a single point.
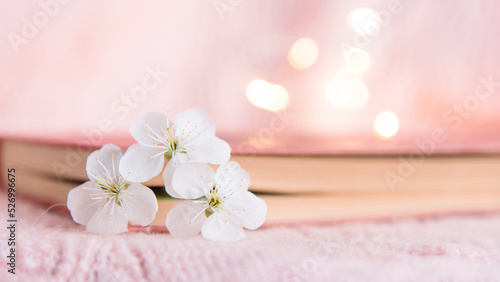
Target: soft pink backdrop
<point x="430" y="56"/>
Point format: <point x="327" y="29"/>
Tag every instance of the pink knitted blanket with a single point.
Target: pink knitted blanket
<point x="454" y="248"/>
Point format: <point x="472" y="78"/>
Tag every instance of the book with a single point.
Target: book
<point x="296" y="188"/>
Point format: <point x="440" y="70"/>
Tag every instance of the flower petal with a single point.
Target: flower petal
<point x="247" y="210"/>
<point x="141" y="163"/>
<point x="168" y="173"/>
<point x="192" y="123"/>
<point x="231" y="178"/>
<point x="109" y="219"/>
<point x="80" y="204"/>
<point x="208" y="149"/>
<point x="151" y="129"/>
<point x="140" y="204"/>
<point x="219" y="227"/>
<point x="102" y="164"/>
<point x="185" y="219"/>
<point x="193" y="180"/>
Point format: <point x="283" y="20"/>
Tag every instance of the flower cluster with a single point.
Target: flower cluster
<point x="218" y="203"/>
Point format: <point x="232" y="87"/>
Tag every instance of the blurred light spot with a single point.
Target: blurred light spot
<point x="280" y="97"/>
<point x="386" y="125"/>
<point x="350" y="92"/>
<point x="303" y="54"/>
<point x="365" y="21"/>
<point x="357" y="60"/>
<point x="262" y="94"/>
<point x="259" y="93"/>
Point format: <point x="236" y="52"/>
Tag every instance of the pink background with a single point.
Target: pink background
<point x="429" y="57"/>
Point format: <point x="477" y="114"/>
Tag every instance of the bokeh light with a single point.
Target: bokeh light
<point x="262" y="94"/>
<point x="386" y="125"/>
<point x="365" y="21"/>
<point x="347" y="92"/>
<point x="357" y="60"/>
<point x="303" y="53"/>
<point x="280" y="96"/>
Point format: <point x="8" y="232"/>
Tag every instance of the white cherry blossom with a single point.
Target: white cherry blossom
<point x="107" y="202"/>
<point x="222" y="205"/>
<point x="190" y="137"/>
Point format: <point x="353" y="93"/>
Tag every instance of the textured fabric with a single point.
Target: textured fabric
<point x="454" y="248"/>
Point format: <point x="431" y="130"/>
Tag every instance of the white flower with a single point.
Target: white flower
<point x="107" y="203"/>
<point x="191" y="136"/>
<point x="223" y="206"/>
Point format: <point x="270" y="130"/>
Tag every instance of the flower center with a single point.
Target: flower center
<point x="173" y="145"/>
<point x="215" y="202"/>
<point x="114" y="189"/>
